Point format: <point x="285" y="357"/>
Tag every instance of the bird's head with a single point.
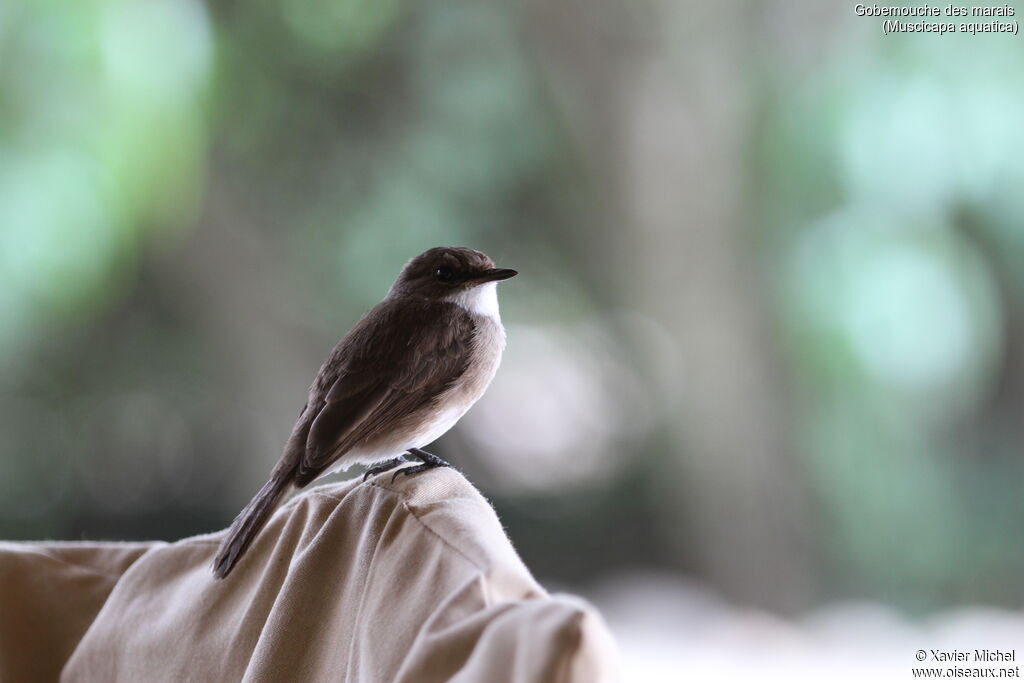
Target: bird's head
<point x="464" y="276"/>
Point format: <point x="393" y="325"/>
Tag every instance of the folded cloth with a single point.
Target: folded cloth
<point x="413" y="580"/>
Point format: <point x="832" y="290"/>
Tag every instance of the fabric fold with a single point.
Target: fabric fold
<point x="411" y="581"/>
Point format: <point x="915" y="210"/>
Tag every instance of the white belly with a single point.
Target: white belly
<point x="431" y="432"/>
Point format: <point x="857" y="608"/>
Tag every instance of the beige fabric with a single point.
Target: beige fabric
<point x="412" y="581"/>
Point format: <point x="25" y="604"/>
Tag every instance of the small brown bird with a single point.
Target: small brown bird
<point x="398" y="380"/>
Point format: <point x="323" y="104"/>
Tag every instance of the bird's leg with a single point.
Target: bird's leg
<point x="429" y="458"/>
<point x="428" y="462"/>
<point x="384" y="467"/>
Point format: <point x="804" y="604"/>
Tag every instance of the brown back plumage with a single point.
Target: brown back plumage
<point x="378" y="381"/>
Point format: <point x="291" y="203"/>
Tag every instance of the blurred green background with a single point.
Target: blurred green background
<point x="769" y="332"/>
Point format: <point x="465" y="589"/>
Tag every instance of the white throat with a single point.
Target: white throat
<point x="480" y="300"/>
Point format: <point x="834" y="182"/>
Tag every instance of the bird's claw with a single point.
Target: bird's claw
<point x="384" y="467"/>
<point x="428" y="458"/>
<point x="428" y="462"/>
<point x="410" y="471"/>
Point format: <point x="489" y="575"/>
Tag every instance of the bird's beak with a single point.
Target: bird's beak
<point x="495" y="274"/>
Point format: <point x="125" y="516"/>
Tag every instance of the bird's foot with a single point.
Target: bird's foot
<point x="428" y="458"/>
<point x="428" y="462"/>
<point x="384" y="467"/>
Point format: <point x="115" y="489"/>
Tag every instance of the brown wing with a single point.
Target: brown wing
<point x="382" y="377"/>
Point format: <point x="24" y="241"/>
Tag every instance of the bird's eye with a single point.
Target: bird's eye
<point x="444" y="274"/>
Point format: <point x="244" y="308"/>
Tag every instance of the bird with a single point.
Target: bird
<point x="401" y="377"/>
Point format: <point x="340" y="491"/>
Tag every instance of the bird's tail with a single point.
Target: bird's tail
<point x="248" y="523"/>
